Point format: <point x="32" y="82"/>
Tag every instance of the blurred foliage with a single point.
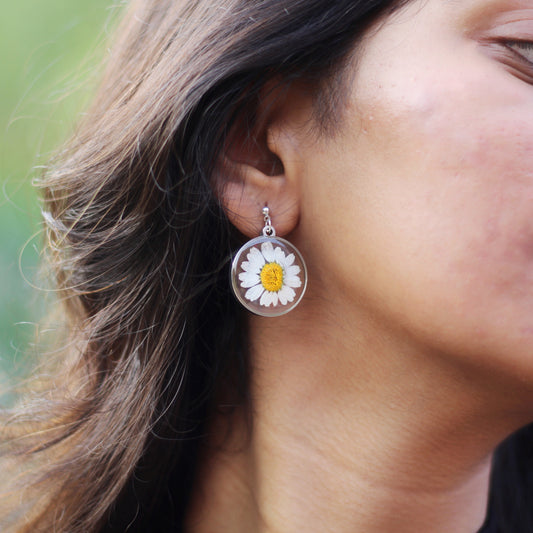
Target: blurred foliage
<point x="50" y="52"/>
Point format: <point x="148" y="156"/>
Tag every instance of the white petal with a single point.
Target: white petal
<point x="268" y="251"/>
<point x="288" y="293"/>
<point x="292" y="281"/>
<point x="254" y="293"/>
<point x="269" y="298"/>
<point x="279" y="255"/>
<point x="265" y="297"/>
<point x="256" y="259"/>
<point x="293" y="270"/>
<point x="247" y="266"/>
<point x="249" y="279"/>
<point x="289" y="260"/>
<point x="282" y="295"/>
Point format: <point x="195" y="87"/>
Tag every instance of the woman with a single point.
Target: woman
<point x="392" y="145"/>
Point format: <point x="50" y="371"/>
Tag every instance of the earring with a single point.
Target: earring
<point x="268" y="274"/>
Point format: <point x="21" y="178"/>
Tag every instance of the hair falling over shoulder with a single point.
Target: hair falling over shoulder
<point x="140" y="248"/>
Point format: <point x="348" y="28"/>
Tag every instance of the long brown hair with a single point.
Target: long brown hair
<point x="140" y="247"/>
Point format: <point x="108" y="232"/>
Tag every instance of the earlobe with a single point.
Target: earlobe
<point x="245" y="190"/>
<point x="244" y="195"/>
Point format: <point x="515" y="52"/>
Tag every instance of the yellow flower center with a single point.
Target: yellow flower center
<point x="272" y="277"/>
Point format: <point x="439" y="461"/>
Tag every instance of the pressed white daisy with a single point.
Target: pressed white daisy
<point x="269" y="275"/>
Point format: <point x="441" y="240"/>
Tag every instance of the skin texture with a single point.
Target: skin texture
<point x="378" y="402"/>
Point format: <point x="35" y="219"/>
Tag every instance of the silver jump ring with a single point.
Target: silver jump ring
<point x="268" y="230"/>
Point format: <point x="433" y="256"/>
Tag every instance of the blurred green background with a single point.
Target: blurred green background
<point x="49" y="50"/>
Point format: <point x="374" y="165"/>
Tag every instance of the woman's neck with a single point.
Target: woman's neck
<point x="350" y="437"/>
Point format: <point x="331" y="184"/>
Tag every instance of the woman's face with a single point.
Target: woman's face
<point x="419" y="211"/>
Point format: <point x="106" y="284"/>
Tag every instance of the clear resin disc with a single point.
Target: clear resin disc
<point x="268" y="276"/>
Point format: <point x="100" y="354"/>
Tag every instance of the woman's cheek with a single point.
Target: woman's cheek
<point x="447" y="212"/>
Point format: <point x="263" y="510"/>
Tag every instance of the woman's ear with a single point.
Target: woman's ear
<point x="260" y="166"/>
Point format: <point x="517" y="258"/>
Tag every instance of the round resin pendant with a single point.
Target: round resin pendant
<point x="268" y="276"/>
